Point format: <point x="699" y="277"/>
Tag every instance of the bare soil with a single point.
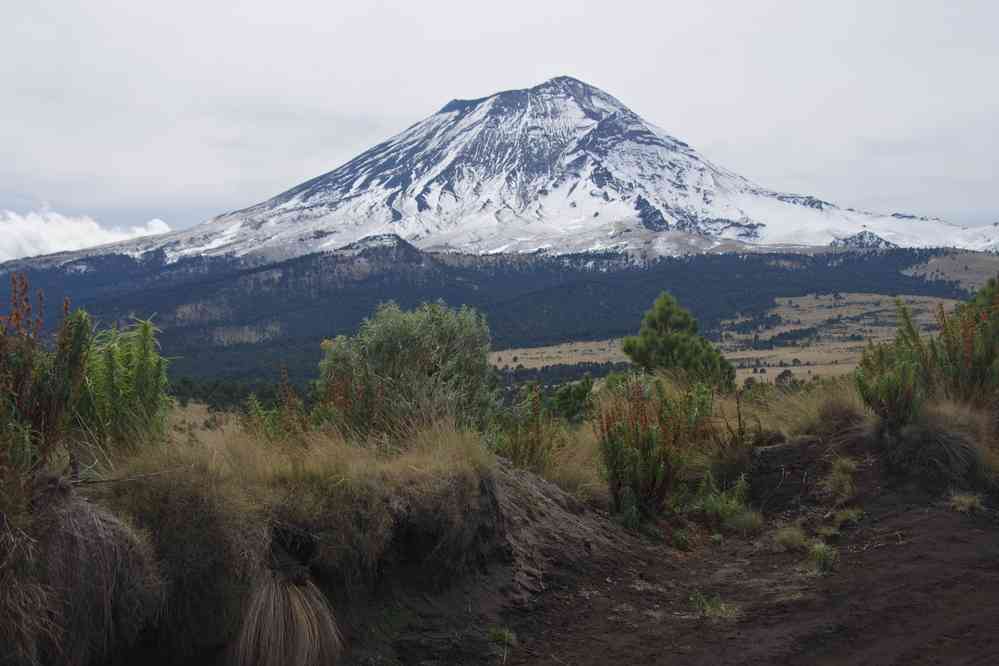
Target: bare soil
<point x="915" y="584"/>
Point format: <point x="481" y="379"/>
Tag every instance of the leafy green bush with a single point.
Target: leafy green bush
<point x="104" y="390"/>
<point x="647" y="439"/>
<point x="124" y="398"/>
<point x="573" y="401"/>
<point x="960" y="364"/>
<point x="668" y="339"/>
<point x="404" y="369"/>
<point x="917" y="387"/>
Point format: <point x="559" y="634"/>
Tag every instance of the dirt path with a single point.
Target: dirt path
<point x="914" y="585"/>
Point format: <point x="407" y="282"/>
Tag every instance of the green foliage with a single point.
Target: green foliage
<point x="890" y="387"/>
<point x="960" y="364"/>
<point x="725" y="508"/>
<point x="573" y="401"/>
<point x="822" y="556"/>
<point x="908" y="381"/>
<point x="668" y="339"/>
<point x="712" y="608"/>
<point x="39" y="388"/>
<point x="528" y="434"/>
<point x="407" y="368"/>
<point x="647" y="439"/>
<point x="88" y="390"/>
<point x="124" y="398"/>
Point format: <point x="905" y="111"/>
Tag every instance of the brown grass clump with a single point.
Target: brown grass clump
<point x="82" y="587"/>
<point x="946" y="445"/>
<point x="24" y="618"/>
<point x="104" y="576"/>
<point x="840" y="482"/>
<point x="287" y="623"/>
<point x="966" y="502"/>
<point x="791" y="537"/>
<point x="577" y="468"/>
<point x="830" y="410"/>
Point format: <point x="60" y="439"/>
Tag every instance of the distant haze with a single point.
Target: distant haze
<point x="126" y="113"/>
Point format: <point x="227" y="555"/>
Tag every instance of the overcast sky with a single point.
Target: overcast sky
<point x="119" y="113"/>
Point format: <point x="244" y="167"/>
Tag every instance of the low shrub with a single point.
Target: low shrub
<point x="712" y="607"/>
<point x="966" y="502"/>
<point x="839" y="483"/>
<point x="648" y="437"/>
<point x="791" y="537"/>
<point x="725" y="508"/>
<point x="822" y="556"/>
<point x="847" y="517"/>
<point x="404" y="370"/>
<point x="528" y="435"/>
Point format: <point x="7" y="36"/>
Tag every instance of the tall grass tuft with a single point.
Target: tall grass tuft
<point x="287" y="623"/>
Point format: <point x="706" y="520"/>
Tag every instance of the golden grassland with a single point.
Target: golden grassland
<point x="970" y="269"/>
<point x="835" y="351"/>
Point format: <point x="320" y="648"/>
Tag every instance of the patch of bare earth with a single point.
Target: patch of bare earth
<point x="914" y="584"/>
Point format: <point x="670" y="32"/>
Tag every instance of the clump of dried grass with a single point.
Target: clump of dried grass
<point x="577" y="468"/>
<point x="105" y="577"/>
<point x="79" y="589"/>
<point x="287" y="623"/>
<point x="831" y="410"/>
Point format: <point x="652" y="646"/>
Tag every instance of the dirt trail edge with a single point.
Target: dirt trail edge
<point x="914" y="584"/>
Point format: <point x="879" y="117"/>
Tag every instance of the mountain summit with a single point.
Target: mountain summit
<point x="561" y="167"/>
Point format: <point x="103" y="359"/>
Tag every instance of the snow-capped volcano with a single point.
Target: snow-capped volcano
<point x="561" y="167"/>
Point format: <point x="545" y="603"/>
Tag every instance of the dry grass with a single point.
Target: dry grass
<point x="971" y="269"/>
<point x="287" y="623"/>
<point x="948" y="445"/>
<point x="839" y="483"/>
<point x="214" y="498"/>
<point x="576" y="468"/>
<point x="826" y="410"/>
<point x="966" y="502"/>
<point x="82" y="587"/>
<point x="25" y="622"/>
<point x="791" y="537"/>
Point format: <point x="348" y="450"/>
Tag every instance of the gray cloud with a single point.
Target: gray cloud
<point x="122" y="112"/>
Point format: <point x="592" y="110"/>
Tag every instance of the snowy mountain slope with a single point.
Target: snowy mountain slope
<point x="561" y="167"/>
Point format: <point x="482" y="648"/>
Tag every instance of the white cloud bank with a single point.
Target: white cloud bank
<point x="45" y="232"/>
